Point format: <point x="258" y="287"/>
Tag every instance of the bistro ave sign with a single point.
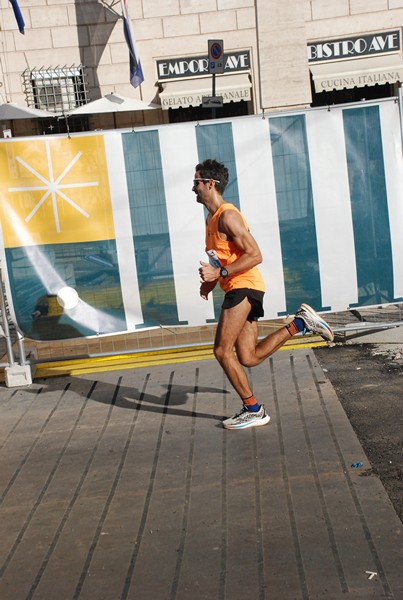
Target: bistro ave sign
<point x="175" y="68"/>
<point x="354" y="47"/>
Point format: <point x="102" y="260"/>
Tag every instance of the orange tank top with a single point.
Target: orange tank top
<point x="228" y="252"/>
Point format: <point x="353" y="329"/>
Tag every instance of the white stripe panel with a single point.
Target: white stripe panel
<point x="332" y="206"/>
<point x="186" y="221"/>
<point x="392" y="155"/>
<point x="258" y="204"/>
<point x="123" y="229"/>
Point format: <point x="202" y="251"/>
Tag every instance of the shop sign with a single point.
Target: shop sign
<point x="175" y="68"/>
<point x="351" y="81"/>
<point x="355" y="47"/>
<point x="196" y="99"/>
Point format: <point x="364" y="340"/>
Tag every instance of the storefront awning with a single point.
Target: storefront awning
<point x="189" y="92"/>
<point x="374" y="70"/>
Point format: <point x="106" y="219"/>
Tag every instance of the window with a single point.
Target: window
<point x="56" y="90"/>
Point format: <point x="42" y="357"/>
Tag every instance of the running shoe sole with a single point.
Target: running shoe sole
<point x="257" y="423"/>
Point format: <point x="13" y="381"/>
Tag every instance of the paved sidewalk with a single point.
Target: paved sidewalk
<point x="123" y="485"/>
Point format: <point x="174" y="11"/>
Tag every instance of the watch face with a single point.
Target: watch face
<point x="223" y="272"/>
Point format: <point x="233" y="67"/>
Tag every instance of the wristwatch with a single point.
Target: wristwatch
<point x="223" y="272"/>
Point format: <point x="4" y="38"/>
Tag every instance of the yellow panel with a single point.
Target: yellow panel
<point x="54" y="191"/>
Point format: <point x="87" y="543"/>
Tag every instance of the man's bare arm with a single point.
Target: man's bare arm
<point x="232" y="225"/>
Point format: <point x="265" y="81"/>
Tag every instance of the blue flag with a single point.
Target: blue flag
<point x="136" y="72"/>
<point x="18" y="16"/>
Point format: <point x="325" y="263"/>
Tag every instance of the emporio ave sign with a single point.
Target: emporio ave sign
<point x="355" y="47"/>
<point x="175" y="68"/>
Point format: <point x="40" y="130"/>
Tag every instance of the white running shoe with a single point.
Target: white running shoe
<point x="314" y="322"/>
<point x="247" y="418"/>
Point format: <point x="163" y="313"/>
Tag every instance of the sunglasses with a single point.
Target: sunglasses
<point x="197" y="181"/>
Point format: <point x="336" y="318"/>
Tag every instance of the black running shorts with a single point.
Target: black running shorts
<point x="255" y="297"/>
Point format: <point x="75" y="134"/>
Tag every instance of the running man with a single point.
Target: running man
<point x="227" y="234"/>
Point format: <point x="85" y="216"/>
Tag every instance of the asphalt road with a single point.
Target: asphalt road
<point x="368" y="379"/>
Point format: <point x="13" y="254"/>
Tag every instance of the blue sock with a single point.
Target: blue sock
<point x="299" y="324"/>
<point x="253" y="407"/>
<point x="251" y="403"/>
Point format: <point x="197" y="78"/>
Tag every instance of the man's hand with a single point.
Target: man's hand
<point x="206" y="288"/>
<point x="208" y="273"/>
<point x="209" y="276"/>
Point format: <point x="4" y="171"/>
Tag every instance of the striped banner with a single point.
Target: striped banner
<point x="101" y="232"/>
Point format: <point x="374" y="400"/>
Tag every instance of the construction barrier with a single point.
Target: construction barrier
<point x="101" y="232"/>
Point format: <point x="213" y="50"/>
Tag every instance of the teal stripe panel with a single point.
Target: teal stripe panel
<point x="296" y="213"/>
<point x="91" y="268"/>
<point x="150" y="228"/>
<point x="369" y="204"/>
<point x="216" y="141"/>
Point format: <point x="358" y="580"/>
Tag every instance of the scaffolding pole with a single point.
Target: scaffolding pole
<point x="16" y="375"/>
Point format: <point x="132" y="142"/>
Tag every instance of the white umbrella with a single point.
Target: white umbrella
<point x="10" y="111"/>
<point x="112" y="103"/>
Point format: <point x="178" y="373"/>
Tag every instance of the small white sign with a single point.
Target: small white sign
<point x="212" y="101"/>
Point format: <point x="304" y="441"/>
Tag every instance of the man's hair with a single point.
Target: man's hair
<point x="212" y="169"/>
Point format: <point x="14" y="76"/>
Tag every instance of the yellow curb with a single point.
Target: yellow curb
<point x="135" y="360"/>
<point x="120" y="362"/>
<point x="152" y="358"/>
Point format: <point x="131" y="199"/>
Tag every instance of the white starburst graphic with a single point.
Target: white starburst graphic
<point x="53" y="187"/>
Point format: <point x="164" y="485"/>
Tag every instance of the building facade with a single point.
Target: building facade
<point x="273" y="56"/>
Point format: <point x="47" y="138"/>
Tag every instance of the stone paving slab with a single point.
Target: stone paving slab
<point x="124" y="485"/>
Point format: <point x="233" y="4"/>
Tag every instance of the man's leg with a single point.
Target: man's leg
<point x="230" y="326"/>
<point x="235" y="330"/>
<point x="250" y="353"/>
<point x="232" y="323"/>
